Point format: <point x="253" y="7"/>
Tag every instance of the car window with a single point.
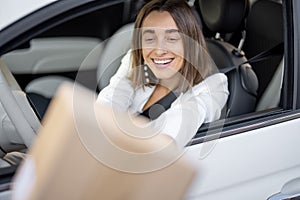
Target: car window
<point x="78" y="34"/>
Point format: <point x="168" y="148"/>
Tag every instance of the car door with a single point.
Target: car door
<point x="255" y="156"/>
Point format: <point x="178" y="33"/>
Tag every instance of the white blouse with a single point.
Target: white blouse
<point x="202" y="104"/>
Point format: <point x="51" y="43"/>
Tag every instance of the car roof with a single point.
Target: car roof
<point x="13" y="10"/>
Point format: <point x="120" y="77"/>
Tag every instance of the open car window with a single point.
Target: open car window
<point x="76" y="32"/>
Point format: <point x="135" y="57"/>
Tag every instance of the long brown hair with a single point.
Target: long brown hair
<point x="196" y="65"/>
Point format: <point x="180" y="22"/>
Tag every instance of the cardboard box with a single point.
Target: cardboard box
<point x="84" y="151"/>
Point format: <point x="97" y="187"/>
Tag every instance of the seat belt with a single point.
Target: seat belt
<point x="156" y="109"/>
<point x="273" y="51"/>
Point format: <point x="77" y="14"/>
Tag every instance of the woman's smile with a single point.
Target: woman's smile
<point x="162" y="62"/>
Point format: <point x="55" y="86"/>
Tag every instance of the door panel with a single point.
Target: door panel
<point x="251" y="165"/>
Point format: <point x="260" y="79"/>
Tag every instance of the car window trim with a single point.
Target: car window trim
<point x="258" y="123"/>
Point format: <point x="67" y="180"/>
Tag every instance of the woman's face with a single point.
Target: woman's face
<point x="162" y="45"/>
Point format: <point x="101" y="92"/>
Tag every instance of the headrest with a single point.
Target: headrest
<point x="263" y="25"/>
<point x="223" y="16"/>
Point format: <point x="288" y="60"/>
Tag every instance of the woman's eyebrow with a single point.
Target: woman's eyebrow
<point x="168" y="31"/>
<point x="148" y="31"/>
<point x="171" y="31"/>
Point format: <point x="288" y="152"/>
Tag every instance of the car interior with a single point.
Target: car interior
<point x="88" y="48"/>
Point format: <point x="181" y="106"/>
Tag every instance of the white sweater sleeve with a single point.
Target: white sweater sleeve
<point x="203" y="103"/>
<point x="119" y="93"/>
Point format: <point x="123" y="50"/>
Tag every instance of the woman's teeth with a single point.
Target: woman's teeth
<point x="162" y="61"/>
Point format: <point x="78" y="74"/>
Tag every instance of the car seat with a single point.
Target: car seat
<point x="226" y="17"/>
<point x="264" y="28"/>
<point x="115" y="49"/>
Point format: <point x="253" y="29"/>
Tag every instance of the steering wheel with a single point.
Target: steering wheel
<point x="17" y="107"/>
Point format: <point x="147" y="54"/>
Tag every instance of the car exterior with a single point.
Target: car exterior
<point x="252" y="156"/>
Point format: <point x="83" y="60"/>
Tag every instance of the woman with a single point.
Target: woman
<point x="168" y="76"/>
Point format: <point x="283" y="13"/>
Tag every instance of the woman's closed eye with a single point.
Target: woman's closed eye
<point x="172" y="36"/>
<point x="173" y="39"/>
<point x="149" y="40"/>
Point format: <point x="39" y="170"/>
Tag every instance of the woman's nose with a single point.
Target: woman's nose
<point x="160" y="48"/>
<point x="160" y="51"/>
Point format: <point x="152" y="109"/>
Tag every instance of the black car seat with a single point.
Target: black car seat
<point x="264" y="31"/>
<point x="226" y="17"/>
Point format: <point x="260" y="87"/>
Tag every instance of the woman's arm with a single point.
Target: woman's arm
<point x="202" y="104"/>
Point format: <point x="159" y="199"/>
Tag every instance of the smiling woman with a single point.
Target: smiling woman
<point x="168" y="76"/>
